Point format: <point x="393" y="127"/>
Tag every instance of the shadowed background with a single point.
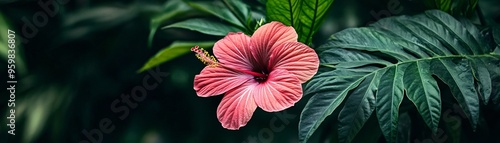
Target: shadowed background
<point x="87" y="55"/>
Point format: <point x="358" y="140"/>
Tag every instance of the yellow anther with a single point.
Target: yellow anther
<point x="204" y="56"/>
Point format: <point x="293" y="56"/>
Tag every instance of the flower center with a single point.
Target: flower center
<point x="259" y="77"/>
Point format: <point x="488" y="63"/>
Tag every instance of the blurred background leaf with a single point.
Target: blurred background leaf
<point x="218" y="9"/>
<point x="172" y="9"/>
<point x="454" y="7"/>
<point x="4" y="47"/>
<point x="173" y="51"/>
<point x="205" y="26"/>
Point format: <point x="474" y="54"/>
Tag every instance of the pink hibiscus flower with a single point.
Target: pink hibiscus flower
<point x="265" y="70"/>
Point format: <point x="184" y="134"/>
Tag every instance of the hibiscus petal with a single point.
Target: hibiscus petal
<point x="234" y="50"/>
<point x="269" y="36"/>
<point x="217" y="80"/>
<point x="281" y="91"/>
<point x="295" y="57"/>
<point x="237" y="106"/>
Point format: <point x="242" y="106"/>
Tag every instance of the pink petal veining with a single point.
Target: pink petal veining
<point x="217" y="80"/>
<point x="237" y="106"/>
<point x="281" y="91"/>
<point x="234" y="50"/>
<point x="297" y="58"/>
<point x="269" y="36"/>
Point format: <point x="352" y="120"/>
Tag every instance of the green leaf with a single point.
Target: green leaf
<point x="402" y="34"/>
<point x="367" y="39"/>
<point x="444" y="5"/>
<point x="455" y="28"/>
<point x="405" y="51"/>
<point x="476" y="34"/>
<point x="463" y="7"/>
<point x="493" y="66"/>
<point x="423" y="91"/>
<point x="323" y="104"/>
<point x="496" y="34"/>
<point x="454" y="7"/>
<point x="205" y="26"/>
<point x="482" y="76"/>
<point x="427" y="28"/>
<point x="358" y="108"/>
<point x="20" y="65"/>
<point x="339" y="59"/>
<point x="3" y="37"/>
<point x="389" y="97"/>
<point x="457" y="74"/>
<point x="330" y="89"/>
<point x="284" y="11"/>
<point x="306" y="16"/>
<point x="218" y="9"/>
<point x="172" y="8"/>
<point x="173" y="51"/>
<point x="240" y="10"/>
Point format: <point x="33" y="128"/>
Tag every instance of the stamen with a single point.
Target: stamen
<point x="204" y="56"/>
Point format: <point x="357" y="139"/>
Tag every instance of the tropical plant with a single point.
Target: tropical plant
<point x="370" y="71"/>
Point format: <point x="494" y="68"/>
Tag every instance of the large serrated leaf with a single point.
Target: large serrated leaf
<point x="493" y="67"/>
<point x="339" y="58"/>
<point x="476" y="34"/>
<point x="390" y="90"/>
<point x="305" y="16"/>
<point x="367" y="39"/>
<point x="455" y="28"/>
<point x="427" y="29"/>
<point x="403" y="34"/>
<point x="323" y="103"/>
<point x="457" y="74"/>
<point x="423" y="91"/>
<point x="358" y="108"/>
<point x="406" y="51"/>
<point x="483" y="78"/>
<point x="331" y="88"/>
